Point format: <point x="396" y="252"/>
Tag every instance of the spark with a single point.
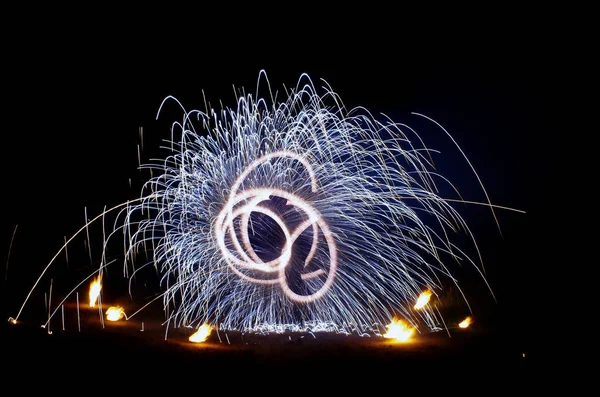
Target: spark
<point x="95" y="288"/>
<point x="399" y="330"/>
<point x="78" y="316"/>
<point x="115" y="313"/>
<point x="8" y="255"/>
<point x="422" y="300"/>
<point x="201" y="334"/>
<point x="466" y="322"/>
<point x="293" y="214"/>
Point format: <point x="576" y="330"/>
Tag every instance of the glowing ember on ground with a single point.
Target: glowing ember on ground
<point x="466" y="322"/>
<point x="201" y="334"/>
<point x="423" y="300"/>
<point x="115" y="313"/>
<point x="399" y="330"/>
<point x="95" y="288"/>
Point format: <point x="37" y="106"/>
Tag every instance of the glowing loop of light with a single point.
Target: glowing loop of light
<point x="242" y="204"/>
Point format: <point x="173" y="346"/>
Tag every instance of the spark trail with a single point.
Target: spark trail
<point x="295" y="214"/>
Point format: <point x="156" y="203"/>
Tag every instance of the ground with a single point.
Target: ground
<point x="141" y="356"/>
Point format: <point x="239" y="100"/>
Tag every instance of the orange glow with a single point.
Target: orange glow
<point x="399" y="330"/>
<point x="95" y="288"/>
<point x="115" y="313"/>
<point x="201" y="334"/>
<point x="423" y="299"/>
<point x="466" y="322"/>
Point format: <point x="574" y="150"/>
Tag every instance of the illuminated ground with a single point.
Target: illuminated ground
<point x="136" y="352"/>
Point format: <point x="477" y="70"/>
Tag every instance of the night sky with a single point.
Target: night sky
<point x="71" y="131"/>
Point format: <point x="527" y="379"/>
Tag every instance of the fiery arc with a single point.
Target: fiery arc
<point x="248" y="201"/>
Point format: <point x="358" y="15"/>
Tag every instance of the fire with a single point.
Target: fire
<point x="201" y="334"/>
<point x="423" y="299"/>
<point x="95" y="288"/>
<point x="466" y="322"/>
<point x="399" y="330"/>
<point x="115" y="313"/>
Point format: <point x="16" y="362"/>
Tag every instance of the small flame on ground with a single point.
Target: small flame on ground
<point x="95" y="288"/>
<point x="201" y="334"/>
<point x="115" y="313"/>
<point x="399" y="330"/>
<point x="423" y="299"/>
<point x="466" y="322"/>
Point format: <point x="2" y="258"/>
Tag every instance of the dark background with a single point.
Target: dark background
<point x="76" y="100"/>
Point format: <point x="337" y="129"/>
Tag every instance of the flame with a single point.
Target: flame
<point x="399" y="330"/>
<point x="466" y="322"/>
<point x="95" y="288"/>
<point x="115" y="313"/>
<point x="201" y="334"/>
<point x="423" y="299"/>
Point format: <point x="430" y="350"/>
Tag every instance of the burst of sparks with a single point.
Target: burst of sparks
<point x="293" y="214"/>
<point x="115" y="313"/>
<point x="201" y="334"/>
<point x="94" y="292"/>
<point x="422" y="300"/>
<point x="399" y="330"/>
<point x="466" y="322"/>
